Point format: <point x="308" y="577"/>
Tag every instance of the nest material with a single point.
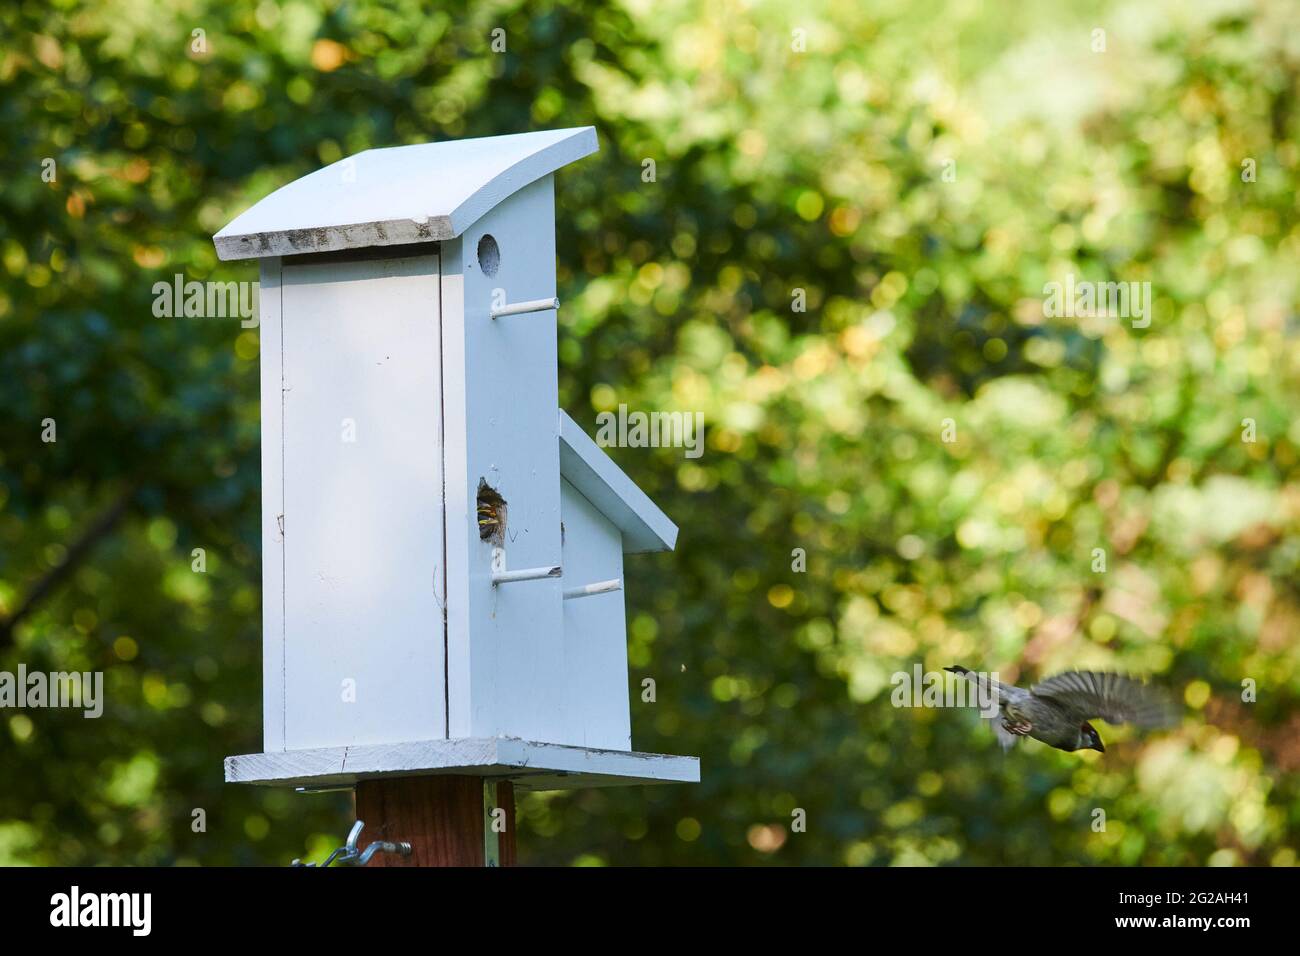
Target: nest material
<point x="491" y="514"/>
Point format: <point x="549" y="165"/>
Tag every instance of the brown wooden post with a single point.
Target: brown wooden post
<point x="442" y="817"/>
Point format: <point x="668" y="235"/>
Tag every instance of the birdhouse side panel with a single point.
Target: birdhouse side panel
<point x="595" y="630"/>
<point x="269" y="331"/>
<point x="362" y="518"/>
<point x="505" y="642"/>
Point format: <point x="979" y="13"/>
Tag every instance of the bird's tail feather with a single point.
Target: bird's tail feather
<point x="990" y="689"/>
<point x="985" y="683"/>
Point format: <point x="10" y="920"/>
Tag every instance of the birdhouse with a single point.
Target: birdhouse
<point x="442" y="562"/>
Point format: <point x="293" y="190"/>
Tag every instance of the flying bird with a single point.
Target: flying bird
<point x="1057" y="710"/>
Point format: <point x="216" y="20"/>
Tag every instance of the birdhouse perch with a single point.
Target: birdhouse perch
<point x="443" y="547"/>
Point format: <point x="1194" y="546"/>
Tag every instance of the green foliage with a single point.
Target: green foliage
<point x="776" y="170"/>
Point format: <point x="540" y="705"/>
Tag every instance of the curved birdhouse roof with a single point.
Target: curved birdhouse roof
<point x="404" y="194"/>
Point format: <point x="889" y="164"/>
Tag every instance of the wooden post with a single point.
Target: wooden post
<point x="444" y="818"/>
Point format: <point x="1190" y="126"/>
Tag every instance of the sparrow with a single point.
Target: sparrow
<point x="1057" y="710"/>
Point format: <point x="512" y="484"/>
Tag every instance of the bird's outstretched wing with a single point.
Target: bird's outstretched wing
<point x="1113" y="698"/>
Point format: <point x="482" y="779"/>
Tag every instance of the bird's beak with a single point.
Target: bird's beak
<point x="1098" y="746"/>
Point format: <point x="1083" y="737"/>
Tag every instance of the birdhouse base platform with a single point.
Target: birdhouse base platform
<point x="530" y="765"/>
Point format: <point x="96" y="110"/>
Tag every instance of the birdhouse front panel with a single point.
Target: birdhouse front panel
<point x="355" y="522"/>
<point x="595" y="630"/>
<point x="505" y="643"/>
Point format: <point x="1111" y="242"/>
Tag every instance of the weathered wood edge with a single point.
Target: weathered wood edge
<point x="360" y="235"/>
<point x="531" y="765"/>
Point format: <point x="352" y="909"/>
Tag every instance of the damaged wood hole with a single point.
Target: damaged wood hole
<point x="491" y="514"/>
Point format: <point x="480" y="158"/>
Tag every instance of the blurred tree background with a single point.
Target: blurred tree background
<point x="919" y="170"/>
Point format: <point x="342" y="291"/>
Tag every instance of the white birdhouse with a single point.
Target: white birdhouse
<point x="443" y="547"/>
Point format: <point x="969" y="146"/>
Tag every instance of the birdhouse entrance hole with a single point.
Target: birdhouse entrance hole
<point x="491" y="514"/>
<point x="489" y="255"/>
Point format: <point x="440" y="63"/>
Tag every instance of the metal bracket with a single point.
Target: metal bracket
<point x="491" y="839"/>
<point x="348" y="855"/>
